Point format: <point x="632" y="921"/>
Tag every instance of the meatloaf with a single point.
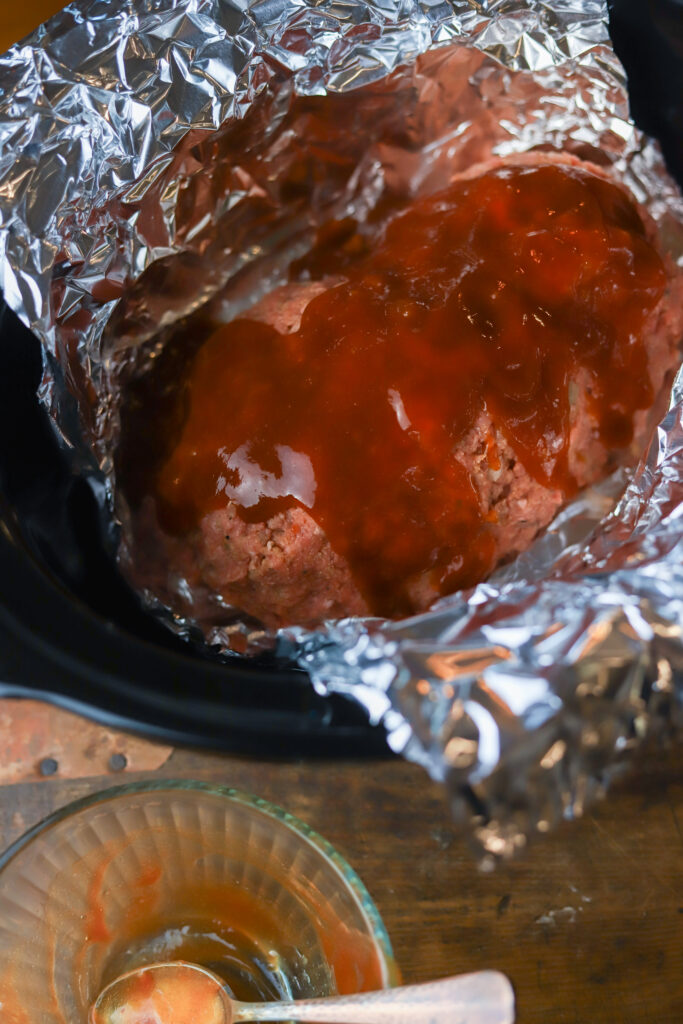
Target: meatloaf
<point x="364" y="443"/>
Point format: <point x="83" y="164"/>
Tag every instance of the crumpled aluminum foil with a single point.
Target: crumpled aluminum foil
<point x="151" y="159"/>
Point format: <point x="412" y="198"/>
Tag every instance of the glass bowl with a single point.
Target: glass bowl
<point x="180" y="870"/>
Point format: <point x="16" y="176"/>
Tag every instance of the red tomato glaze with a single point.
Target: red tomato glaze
<point x="488" y="296"/>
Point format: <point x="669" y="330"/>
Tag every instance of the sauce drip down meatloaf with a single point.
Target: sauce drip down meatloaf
<point x="370" y="441"/>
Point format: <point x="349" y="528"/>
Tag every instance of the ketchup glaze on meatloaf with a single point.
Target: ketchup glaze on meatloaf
<point x="371" y="442"/>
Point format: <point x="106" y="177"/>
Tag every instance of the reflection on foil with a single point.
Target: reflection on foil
<point x="174" y="151"/>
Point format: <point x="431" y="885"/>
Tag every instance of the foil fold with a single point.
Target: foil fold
<point x="142" y="160"/>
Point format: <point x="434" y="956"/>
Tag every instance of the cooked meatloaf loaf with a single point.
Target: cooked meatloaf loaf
<point x="370" y="441"/>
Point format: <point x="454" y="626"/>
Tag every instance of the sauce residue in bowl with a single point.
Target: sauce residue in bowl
<point x="257" y="950"/>
<point x="488" y="296"/>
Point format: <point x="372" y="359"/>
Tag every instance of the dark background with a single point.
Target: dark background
<point x="648" y="37"/>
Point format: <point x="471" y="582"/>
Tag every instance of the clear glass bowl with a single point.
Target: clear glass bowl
<point x="180" y="870"/>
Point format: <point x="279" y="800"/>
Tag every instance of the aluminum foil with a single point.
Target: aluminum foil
<point x="156" y="155"/>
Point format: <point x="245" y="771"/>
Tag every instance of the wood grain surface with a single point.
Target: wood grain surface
<point x="17" y="19"/>
<point x="588" y="922"/>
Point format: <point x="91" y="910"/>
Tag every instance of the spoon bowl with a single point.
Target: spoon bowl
<point x="172" y="993"/>
<point x="184" y="993"/>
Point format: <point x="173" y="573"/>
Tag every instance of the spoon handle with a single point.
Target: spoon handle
<point x="485" y="997"/>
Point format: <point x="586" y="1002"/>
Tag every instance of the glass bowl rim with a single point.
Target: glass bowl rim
<point x="309" y="835"/>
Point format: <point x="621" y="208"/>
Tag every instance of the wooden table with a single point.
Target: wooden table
<point x="588" y="922"/>
<point x="17" y="20"/>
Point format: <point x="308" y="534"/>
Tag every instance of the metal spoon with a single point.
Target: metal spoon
<point x="182" y="993"/>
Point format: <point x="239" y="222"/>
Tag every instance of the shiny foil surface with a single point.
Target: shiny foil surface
<point x="148" y="156"/>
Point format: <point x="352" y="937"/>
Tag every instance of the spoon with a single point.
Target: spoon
<point x="183" y="993"/>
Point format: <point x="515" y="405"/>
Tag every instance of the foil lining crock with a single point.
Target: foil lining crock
<point x="152" y="155"/>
